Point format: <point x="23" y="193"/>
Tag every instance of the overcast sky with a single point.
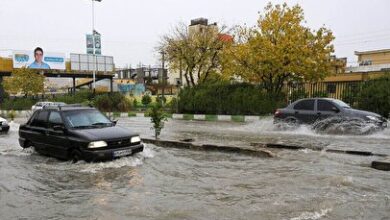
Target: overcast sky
<point x="131" y="29"/>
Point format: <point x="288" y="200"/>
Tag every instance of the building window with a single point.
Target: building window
<point x="366" y="63"/>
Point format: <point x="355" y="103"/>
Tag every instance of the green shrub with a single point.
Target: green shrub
<point x="112" y="102"/>
<point x="135" y="103"/>
<point x="157" y="117"/>
<point x="228" y="99"/>
<point x="116" y="114"/>
<point x="131" y="114"/>
<point x="320" y="94"/>
<point x="11" y="115"/>
<point x="211" y="118"/>
<point x="172" y="105"/>
<point x="375" y="96"/>
<point x="161" y="99"/>
<point x="146" y="100"/>
<point x="18" y="103"/>
<point x="83" y="96"/>
<point x="188" y="117"/>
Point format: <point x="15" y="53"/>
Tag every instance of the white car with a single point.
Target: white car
<point x="4" y="126"/>
<point x="40" y="105"/>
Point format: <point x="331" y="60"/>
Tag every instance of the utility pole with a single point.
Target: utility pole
<point x="163" y="72"/>
<point x="93" y="40"/>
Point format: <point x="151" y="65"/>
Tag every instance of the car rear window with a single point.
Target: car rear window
<point x="305" y="105"/>
<point x="323" y="105"/>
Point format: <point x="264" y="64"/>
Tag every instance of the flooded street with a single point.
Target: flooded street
<point x="167" y="183"/>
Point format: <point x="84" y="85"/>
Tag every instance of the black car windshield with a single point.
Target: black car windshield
<point x="341" y="103"/>
<point x="86" y="119"/>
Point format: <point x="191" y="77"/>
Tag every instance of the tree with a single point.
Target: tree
<point x="146" y="99"/>
<point x="157" y="117"/>
<point x="25" y="81"/>
<point x="195" y="52"/>
<point x="279" y="50"/>
<point x="375" y="95"/>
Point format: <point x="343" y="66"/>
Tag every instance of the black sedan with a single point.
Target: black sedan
<point x="76" y="133"/>
<point x="309" y="111"/>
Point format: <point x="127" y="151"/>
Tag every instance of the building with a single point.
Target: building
<point x="347" y="81"/>
<point x="371" y="61"/>
<point x="200" y="25"/>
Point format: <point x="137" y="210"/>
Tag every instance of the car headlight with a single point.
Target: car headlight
<point x="97" y="144"/>
<point x="372" y="118"/>
<point x="135" y="139"/>
<point x="4" y="123"/>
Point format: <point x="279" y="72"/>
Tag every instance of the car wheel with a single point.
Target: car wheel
<point x="293" y="122"/>
<point x="27" y="144"/>
<point x="76" y="156"/>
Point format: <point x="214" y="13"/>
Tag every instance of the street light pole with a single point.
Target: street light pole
<point x="93" y="48"/>
<point x="163" y="72"/>
<point x="93" y="41"/>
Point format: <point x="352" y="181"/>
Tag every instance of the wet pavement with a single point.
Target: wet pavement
<point x="167" y="183"/>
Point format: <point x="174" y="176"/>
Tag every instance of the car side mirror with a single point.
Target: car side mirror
<point x="58" y="128"/>
<point x="335" y="109"/>
<point x="114" y="121"/>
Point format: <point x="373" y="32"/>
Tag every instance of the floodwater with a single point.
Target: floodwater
<point x="167" y="183"/>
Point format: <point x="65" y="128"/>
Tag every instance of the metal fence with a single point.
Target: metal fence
<point x="346" y="91"/>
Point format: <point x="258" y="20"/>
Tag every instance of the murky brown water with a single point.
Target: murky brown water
<point x="166" y="183"/>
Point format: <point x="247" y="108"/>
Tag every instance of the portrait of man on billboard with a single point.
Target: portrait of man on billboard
<point x="38" y="62"/>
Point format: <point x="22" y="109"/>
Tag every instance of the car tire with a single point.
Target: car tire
<point x="76" y="156"/>
<point x="27" y="144"/>
<point x="293" y="122"/>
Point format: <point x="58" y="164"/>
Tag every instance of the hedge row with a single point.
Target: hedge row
<point x="228" y="99"/>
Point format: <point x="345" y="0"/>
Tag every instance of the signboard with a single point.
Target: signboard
<point x="94" y="39"/>
<point x="38" y="60"/>
<point x="89" y="62"/>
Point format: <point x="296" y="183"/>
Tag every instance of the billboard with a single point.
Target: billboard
<point x="94" y="43"/>
<point x="38" y="59"/>
<point x="89" y="62"/>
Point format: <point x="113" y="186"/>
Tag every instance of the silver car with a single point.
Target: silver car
<point x="40" y="105"/>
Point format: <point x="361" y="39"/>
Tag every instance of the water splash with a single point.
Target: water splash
<point x="132" y="161"/>
<point x="338" y="125"/>
<point x="312" y="215"/>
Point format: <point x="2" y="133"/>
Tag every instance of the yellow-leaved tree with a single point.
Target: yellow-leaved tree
<point x="279" y="49"/>
<point x="24" y="81"/>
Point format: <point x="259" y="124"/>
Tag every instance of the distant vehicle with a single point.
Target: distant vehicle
<point x="77" y="133"/>
<point x="309" y="111"/>
<point x="4" y="126"/>
<point x="39" y="105"/>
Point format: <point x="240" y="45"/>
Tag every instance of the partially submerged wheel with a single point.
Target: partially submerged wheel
<point x="27" y="144"/>
<point x="292" y="122"/>
<point x="76" y="156"/>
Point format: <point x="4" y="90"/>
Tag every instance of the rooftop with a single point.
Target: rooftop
<point x="372" y="51"/>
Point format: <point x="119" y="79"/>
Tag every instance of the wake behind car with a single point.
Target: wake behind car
<point x="309" y="111"/>
<point x="77" y="133"/>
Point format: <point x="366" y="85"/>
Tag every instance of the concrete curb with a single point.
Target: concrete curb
<point x="379" y="164"/>
<point x="294" y="147"/>
<point x="209" y="147"/>
<point x="197" y="117"/>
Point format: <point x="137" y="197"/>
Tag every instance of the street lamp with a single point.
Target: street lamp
<point x="93" y="41"/>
